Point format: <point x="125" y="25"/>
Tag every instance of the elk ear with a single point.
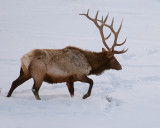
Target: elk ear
<point x="110" y="54"/>
<point x="103" y="50"/>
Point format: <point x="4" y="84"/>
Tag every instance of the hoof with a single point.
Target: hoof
<point x="86" y="96"/>
<point x="72" y="95"/>
<point x="37" y="97"/>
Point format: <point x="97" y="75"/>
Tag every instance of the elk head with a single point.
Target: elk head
<point x="100" y="24"/>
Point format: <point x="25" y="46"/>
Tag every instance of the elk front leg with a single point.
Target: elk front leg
<point x="70" y="86"/>
<point x="87" y="80"/>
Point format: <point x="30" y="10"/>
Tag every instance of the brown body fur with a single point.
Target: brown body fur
<point x="64" y="65"/>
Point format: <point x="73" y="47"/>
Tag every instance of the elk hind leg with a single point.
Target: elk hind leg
<point x="70" y="86"/>
<point x="35" y="89"/>
<point x="20" y="80"/>
<point x="38" y="72"/>
<point x="38" y="78"/>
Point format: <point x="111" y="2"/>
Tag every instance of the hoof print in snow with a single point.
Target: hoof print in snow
<point x="108" y="98"/>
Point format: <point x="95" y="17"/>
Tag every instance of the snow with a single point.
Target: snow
<point x="120" y="99"/>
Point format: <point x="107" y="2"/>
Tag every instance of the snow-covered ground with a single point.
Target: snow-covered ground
<point x="134" y="91"/>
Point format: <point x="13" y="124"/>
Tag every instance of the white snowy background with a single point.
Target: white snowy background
<point x="134" y="91"/>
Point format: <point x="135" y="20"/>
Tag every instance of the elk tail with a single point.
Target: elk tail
<point x="25" y="62"/>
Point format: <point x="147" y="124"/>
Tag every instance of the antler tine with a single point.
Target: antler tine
<point x="88" y="12"/>
<point x="112" y="22"/>
<point x="87" y="15"/>
<point x="106" y="18"/>
<point x="96" y="15"/>
<point x="120" y="52"/>
<point x="120" y="27"/>
<point x="122" y="43"/>
<point x="108" y="36"/>
<point x="102" y="19"/>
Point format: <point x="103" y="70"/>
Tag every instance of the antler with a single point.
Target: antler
<point x="100" y="27"/>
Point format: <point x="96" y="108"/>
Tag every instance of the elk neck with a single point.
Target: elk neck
<point x="98" y="62"/>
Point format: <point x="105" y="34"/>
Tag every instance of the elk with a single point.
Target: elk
<point x="70" y="64"/>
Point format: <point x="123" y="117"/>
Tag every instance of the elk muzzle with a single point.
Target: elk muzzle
<point x="114" y="64"/>
<point x="119" y="67"/>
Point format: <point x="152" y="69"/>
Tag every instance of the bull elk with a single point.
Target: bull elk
<point x="70" y="64"/>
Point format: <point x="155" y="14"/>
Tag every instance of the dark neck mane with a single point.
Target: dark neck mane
<point x="98" y="62"/>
